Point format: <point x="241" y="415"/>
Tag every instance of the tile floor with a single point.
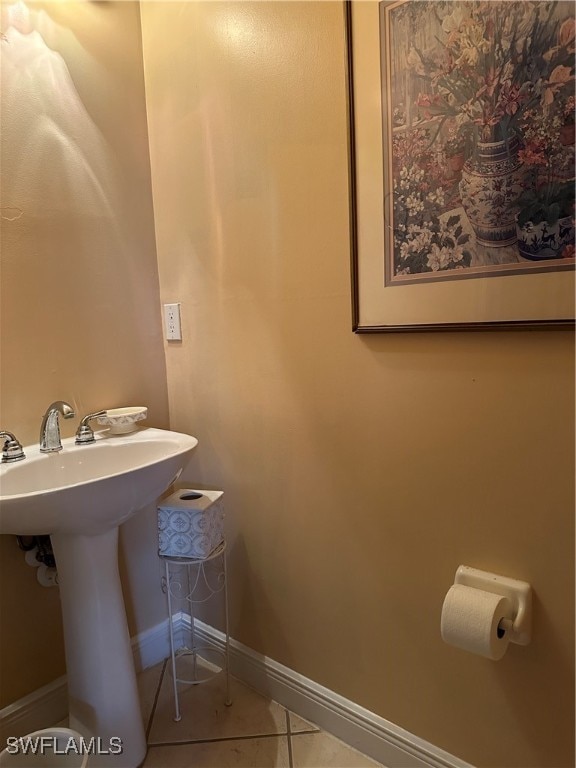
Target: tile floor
<point x="254" y="732"/>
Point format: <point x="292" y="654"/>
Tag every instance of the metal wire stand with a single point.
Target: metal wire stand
<point x="196" y="591"/>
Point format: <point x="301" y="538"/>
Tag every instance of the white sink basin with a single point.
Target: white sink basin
<point x="89" y="488"/>
<point x="80" y="496"/>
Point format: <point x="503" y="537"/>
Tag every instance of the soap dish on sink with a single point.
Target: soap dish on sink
<point x="123" y="420"/>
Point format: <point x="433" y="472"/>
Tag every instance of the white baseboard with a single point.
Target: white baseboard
<point x="48" y="705"/>
<point x="382" y="740"/>
<point x="40" y="709"/>
<point x="152" y="646"/>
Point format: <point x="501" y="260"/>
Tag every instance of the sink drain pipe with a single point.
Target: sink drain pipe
<point x="39" y="554"/>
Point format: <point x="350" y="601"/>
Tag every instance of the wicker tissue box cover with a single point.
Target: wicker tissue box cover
<point x="190" y="523"/>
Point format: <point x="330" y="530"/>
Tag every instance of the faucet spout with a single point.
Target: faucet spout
<point x="50" y="430"/>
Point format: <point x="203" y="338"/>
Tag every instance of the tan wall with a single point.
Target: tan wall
<point x="80" y="300"/>
<point x="359" y="471"/>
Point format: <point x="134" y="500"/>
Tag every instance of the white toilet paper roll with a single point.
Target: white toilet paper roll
<point x="470" y="619"/>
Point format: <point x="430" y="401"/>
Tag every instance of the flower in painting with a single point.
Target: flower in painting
<point x="472" y="44"/>
<point x="414" y="62"/>
<point x="533" y="155"/>
<point x="511" y="98"/>
<point x="553" y="163"/>
<point x="559" y="77"/>
<point x="423" y="241"/>
<point x="454" y="21"/>
<point x="567" y="34"/>
<point x="493" y="60"/>
<point x="438" y="258"/>
<point x="472" y="73"/>
<point x="414" y="205"/>
<point x="566" y="38"/>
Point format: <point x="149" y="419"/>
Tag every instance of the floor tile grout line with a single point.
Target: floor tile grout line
<point x="289" y="739"/>
<point x="156" y="697"/>
<point x="189" y="742"/>
<point x="215" y="741"/>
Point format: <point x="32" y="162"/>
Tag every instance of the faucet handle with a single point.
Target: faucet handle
<point x="12" y="450"/>
<point x="84" y="433"/>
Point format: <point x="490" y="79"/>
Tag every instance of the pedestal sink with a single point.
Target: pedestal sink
<point x="80" y="496"/>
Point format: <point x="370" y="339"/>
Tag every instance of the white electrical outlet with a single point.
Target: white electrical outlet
<point x="172" y="325"/>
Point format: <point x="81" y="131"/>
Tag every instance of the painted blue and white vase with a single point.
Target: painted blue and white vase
<point x="492" y="180"/>
<point x="543" y="241"/>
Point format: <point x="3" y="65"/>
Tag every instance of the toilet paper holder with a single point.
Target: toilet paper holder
<point x="519" y="624"/>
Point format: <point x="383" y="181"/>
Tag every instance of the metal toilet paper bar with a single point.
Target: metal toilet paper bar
<point x="519" y="625"/>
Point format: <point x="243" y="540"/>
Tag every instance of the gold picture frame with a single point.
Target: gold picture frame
<point x="526" y="294"/>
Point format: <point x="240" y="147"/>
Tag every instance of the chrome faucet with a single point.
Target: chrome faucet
<point x="12" y="450"/>
<point x="50" y="429"/>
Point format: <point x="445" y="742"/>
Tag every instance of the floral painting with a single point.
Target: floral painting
<point x="478" y="110"/>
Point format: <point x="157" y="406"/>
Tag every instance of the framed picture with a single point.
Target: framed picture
<point x="461" y="164"/>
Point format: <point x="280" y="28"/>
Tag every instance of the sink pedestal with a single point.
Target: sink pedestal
<point x="102" y="690"/>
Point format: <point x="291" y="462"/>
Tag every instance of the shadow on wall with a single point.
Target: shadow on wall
<point x="250" y="609"/>
<point x="533" y="662"/>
